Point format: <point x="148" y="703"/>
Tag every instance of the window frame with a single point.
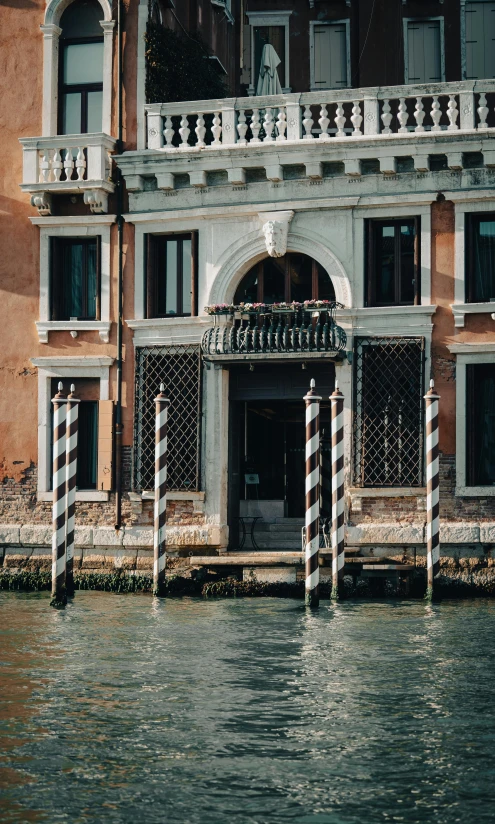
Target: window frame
<point x="56" y="255"/>
<point x="405" y="24"/>
<point x="370" y="276"/>
<point x="471" y="431"/>
<point x="270" y="18"/>
<point x="467" y="354"/>
<point x="80" y="88"/>
<point x="64" y="368"/>
<point x="471" y="219"/>
<point x="151" y="280"/>
<point x="312" y="51"/>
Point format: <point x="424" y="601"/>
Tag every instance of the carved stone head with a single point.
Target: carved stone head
<point x="276" y="231"/>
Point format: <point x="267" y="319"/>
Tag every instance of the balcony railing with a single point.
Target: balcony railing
<point x="326" y="115"/>
<point x="68" y="164"/>
<point x="272" y="331"/>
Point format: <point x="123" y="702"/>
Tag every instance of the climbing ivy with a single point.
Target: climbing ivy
<point x="178" y="68"/>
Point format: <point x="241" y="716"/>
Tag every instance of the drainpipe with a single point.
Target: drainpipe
<point x="120" y="235"/>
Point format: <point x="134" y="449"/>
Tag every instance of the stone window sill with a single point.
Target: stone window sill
<point x="148" y="494"/>
<point x="88" y="495"/>
<point x="388" y="492"/>
<point x="460" y="310"/>
<point x="44" y="327"/>
<point x="475" y="491"/>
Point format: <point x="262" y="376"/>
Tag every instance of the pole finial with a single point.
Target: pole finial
<point x="336" y="385"/>
<point x="312" y="383"/>
<point x="73" y="388"/>
<point x="162" y="387"/>
<point x="432" y="384"/>
<point x="60" y="386"/>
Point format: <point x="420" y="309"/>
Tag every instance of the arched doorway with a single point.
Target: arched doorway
<point x="293" y="277"/>
<point x="267" y="430"/>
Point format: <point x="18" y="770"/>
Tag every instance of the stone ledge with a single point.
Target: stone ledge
<point x="37" y="535"/>
<point x="9" y="534"/>
<point x="374" y="533"/>
<point x="107" y="536"/>
<point x="459" y="533"/>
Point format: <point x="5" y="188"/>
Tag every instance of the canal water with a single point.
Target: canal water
<point x="126" y="709"/>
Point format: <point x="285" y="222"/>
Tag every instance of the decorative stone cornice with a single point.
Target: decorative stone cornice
<point x="275" y="226"/>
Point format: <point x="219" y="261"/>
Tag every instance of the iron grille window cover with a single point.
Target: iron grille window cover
<point x="179" y="368"/>
<point x="388" y="421"/>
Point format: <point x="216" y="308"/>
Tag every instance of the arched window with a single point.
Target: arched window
<point x="292" y="277"/>
<point x="81" y="68"/>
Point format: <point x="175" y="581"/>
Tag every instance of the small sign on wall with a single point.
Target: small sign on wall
<point x="252" y="478"/>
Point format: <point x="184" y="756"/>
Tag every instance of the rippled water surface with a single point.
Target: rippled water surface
<point x="125" y="709"/>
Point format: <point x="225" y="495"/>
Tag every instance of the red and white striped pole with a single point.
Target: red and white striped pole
<point x="312" y="594"/>
<point x="59" y="595"/>
<point x="71" y="470"/>
<point x="160" y="541"/>
<point x="337" y="401"/>
<point x="432" y="489"/>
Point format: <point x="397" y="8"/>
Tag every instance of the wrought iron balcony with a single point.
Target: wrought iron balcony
<point x="275" y="331"/>
<point x="68" y="164"/>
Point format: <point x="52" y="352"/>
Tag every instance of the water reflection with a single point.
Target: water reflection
<point x="129" y="709"/>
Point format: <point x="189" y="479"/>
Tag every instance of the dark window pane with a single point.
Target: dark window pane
<point x="82" y="19"/>
<point x="83" y="63"/>
<point x="247" y="292"/>
<point x="73" y="272"/>
<point x="385" y="264"/>
<point x="171" y="278"/>
<point x="325" y="285"/>
<point x="407" y="272"/>
<point x="300" y="274"/>
<point x="275" y="36"/>
<point x="71" y="117"/>
<point x="273" y="280"/>
<point x="91" y="280"/>
<point x="481" y="425"/>
<point x="87" y="435"/>
<point x="483" y="260"/>
<point x="186" y="277"/>
<point x="74" y="281"/>
<point x="95" y="103"/>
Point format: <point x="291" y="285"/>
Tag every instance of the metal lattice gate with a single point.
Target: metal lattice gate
<point x="179" y="368"/>
<point x="388" y="420"/>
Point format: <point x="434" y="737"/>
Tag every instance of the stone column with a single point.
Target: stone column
<point x="215" y="437"/>
<point x="51" y="35"/>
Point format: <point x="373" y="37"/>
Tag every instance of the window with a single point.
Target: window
<point x="292" y="277"/>
<point x="81" y="68"/>
<point x="480" y="425"/>
<point x="95" y="434"/>
<point x="423" y="51"/>
<point x="388" y="418"/>
<point x="393" y="262"/>
<point x="171" y="285"/>
<point x="480" y="40"/>
<point x="179" y="368"/>
<point x="274" y="36"/>
<point x="330" y="55"/>
<point x="75" y="278"/>
<point x="480" y="258"/>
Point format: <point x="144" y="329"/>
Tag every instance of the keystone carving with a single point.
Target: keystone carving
<point x="275" y="227"/>
<point x="43" y="203"/>
<point x="97" y="200"/>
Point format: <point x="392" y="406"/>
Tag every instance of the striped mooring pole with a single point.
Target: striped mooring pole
<point x="337" y="401"/>
<point x="160" y="541"/>
<point x="71" y="470"/>
<point x="312" y="595"/>
<point x="59" y="594"/>
<point x="432" y="489"/>
<point x="325" y="477"/>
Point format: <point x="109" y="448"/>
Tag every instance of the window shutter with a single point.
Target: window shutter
<point x="246" y="55"/>
<point x="194" y="274"/>
<point x="105" y="445"/>
<point x="56" y="287"/>
<point x="424" y="59"/>
<point x="480" y="40"/>
<point x="151" y="283"/>
<point x="330" y="56"/>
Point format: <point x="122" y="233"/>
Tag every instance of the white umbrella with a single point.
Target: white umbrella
<point x="268" y="82"/>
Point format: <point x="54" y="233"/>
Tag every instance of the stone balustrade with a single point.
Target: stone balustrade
<point x="378" y="112"/>
<point x="68" y="164"/>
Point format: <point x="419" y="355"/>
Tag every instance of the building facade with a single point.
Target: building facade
<point x="236" y="247"/>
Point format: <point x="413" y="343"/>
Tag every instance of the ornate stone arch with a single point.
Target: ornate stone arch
<point x="240" y="256"/>
<point x="51" y="34"/>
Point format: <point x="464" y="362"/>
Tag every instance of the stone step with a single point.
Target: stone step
<point x="282" y="528"/>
